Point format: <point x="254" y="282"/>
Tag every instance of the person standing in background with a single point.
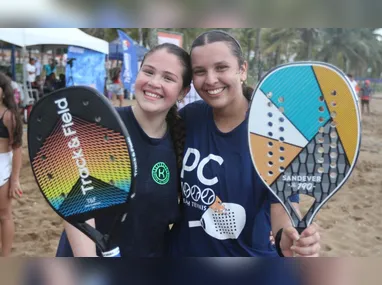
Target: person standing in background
<point x="353" y="83"/>
<point x="50" y="68"/>
<point x="365" y="94"/>
<point x="356" y="89"/>
<point x="31" y="70"/>
<point x="38" y="66"/>
<point x="116" y="88"/>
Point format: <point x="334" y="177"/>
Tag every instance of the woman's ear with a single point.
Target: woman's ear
<point x="243" y="71"/>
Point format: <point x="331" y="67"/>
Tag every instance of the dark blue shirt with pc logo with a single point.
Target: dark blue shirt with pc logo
<point x="225" y="205"/>
<point x="145" y="231"/>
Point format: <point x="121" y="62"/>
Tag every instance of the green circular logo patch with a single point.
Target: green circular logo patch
<point x="160" y="173"/>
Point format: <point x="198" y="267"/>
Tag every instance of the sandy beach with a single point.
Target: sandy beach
<point x="350" y="222"/>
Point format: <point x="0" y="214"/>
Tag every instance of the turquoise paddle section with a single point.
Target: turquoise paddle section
<point x="303" y="103"/>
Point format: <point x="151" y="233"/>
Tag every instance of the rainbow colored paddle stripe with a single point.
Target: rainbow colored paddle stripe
<point x="103" y="152"/>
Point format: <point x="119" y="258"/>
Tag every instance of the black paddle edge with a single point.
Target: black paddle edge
<point x="92" y="233"/>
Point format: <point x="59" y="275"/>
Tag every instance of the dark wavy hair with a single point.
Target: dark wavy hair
<point x="114" y="73"/>
<point x="214" y="36"/>
<point x="10" y="103"/>
<point x="176" y="124"/>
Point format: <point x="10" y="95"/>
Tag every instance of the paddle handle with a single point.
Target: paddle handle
<point x="112" y="253"/>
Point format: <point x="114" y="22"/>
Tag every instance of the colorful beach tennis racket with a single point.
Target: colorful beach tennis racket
<point x="304" y="133"/>
<point x="82" y="159"/>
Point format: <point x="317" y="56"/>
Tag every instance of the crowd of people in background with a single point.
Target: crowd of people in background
<point x="44" y="80"/>
<point x="49" y="82"/>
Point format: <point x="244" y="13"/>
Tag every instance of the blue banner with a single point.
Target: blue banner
<point x="130" y="62"/>
<point x="85" y="67"/>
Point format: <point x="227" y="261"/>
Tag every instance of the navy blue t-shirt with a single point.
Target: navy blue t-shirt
<point x="144" y="233"/>
<point x="218" y="174"/>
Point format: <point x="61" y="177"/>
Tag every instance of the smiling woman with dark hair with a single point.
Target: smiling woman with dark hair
<point x="157" y="135"/>
<point x="227" y="210"/>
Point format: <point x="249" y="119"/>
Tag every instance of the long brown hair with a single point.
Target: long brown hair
<point x="115" y="73"/>
<point x="174" y="121"/>
<point x="10" y="103"/>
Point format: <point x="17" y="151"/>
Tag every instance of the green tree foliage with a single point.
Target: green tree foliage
<point x="358" y="51"/>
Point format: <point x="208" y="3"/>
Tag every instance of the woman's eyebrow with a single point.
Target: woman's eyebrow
<point x="216" y="63"/>
<point x="166" y="72"/>
<point x="221" y="62"/>
<point x="197" y="67"/>
<point x="148" y="65"/>
<point x="170" y="73"/>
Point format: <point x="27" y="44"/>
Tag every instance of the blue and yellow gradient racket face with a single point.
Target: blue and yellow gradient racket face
<point x="80" y="153"/>
<point x="304" y="132"/>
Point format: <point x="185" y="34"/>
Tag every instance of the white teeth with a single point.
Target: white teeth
<point x="152" y="95"/>
<point x="216" y="91"/>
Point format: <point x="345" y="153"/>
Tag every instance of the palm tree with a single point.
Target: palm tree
<point x="105" y="34"/>
<point x="343" y="47"/>
<point x="353" y="50"/>
<point x="371" y="50"/>
<point x="257" y="61"/>
<point x="153" y="37"/>
<point x="310" y="37"/>
<point x="189" y="35"/>
<point x="280" y="42"/>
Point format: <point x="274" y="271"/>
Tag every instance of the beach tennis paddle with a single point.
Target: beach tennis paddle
<point x="304" y="133"/>
<point x="83" y="159"/>
<point x="222" y="225"/>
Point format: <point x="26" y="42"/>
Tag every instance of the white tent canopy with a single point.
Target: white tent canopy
<point x="25" y="37"/>
<point x="52" y="36"/>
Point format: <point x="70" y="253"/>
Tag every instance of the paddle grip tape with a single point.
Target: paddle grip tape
<point x="112" y="253"/>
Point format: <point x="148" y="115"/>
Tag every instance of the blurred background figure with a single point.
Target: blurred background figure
<point x="50" y="67"/>
<point x="39" y="85"/>
<point x="356" y="88"/>
<point x="37" y="64"/>
<point x="365" y="94"/>
<point x="61" y="81"/>
<point x="50" y="83"/>
<point x="31" y="72"/>
<point x="353" y="83"/>
<point x="116" y="87"/>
